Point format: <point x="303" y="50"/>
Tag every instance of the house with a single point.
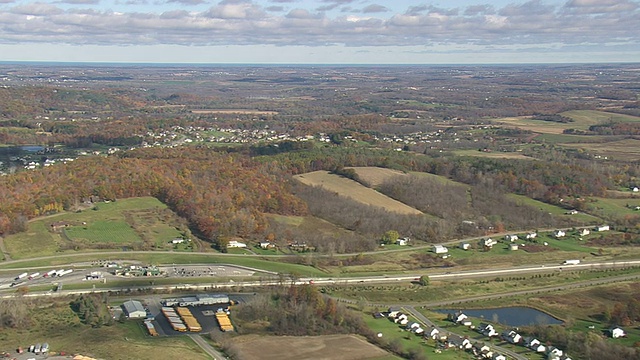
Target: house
<point x="418" y="331"/>
<point x="499" y="357"/>
<point x="58" y="225"/>
<point x="616" y="332"/>
<point x="512" y="336"/>
<point x="513" y="247"/>
<point x="402" y="241"/>
<point x="177" y="241"/>
<point x="459" y="342"/>
<point x="534" y="344"/>
<point x="531" y="235"/>
<point x="439" y="249"/>
<point x="603" y="228"/>
<point x="559" y="234"/>
<point x="511" y="238"/>
<point x="412" y="325"/>
<point x="236" y="244"/>
<point x="433" y="333"/>
<point x="488" y="242"/>
<point x="457" y="317"/>
<point x="267" y="245"/>
<point x="584" y="232"/>
<point x="635" y="189"/>
<point x="554" y="353"/>
<point x="480" y="348"/>
<point x="487" y="330"/>
<point x="134" y="309"/>
<point x="465" y="246"/>
<point x="394" y="311"/>
<point x="572" y="212"/>
<point x="637" y="208"/>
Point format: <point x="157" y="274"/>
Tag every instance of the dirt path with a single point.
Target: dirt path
<point x="7" y="257"/>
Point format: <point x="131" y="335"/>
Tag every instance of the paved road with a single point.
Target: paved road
<point x="210" y="350"/>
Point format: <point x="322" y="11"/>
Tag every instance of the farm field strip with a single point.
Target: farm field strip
<point x="356" y="191"/>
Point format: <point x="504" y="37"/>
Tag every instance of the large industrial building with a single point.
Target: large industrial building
<point x="134" y="309"/>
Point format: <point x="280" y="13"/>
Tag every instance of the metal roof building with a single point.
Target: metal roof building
<point x="134" y="309"/>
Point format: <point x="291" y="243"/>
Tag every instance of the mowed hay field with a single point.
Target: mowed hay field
<point x="354" y="190"/>
<point x="375" y="176"/>
<point x="329" y="347"/>
<point x="582" y="120"/>
<point x="628" y="149"/>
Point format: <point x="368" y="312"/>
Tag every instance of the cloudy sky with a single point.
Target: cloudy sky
<point x="321" y="31"/>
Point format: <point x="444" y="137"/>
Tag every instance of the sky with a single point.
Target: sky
<point x="321" y="31"/>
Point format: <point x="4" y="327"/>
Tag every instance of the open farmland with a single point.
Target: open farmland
<point x="583" y="119"/>
<point x="354" y="190"/>
<point x="375" y="176"/>
<point x="628" y="149"/>
<point x="234" y="111"/>
<point x="493" y="155"/>
<point x="134" y="222"/>
<point x="330" y="347"/>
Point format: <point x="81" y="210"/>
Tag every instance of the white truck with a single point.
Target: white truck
<point x="64" y="272"/>
<point x="571" y="262"/>
<point x="50" y="273"/>
<point x="22" y="276"/>
<point x="34" y="275"/>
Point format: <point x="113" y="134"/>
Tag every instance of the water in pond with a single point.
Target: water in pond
<point x="512" y="316"/>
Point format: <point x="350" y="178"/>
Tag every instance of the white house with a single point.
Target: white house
<point x="584" y="232"/>
<point x="465" y="246"/>
<point x="499" y="357"/>
<point x="402" y="241"/>
<point x="177" y="241"/>
<point x="513" y="247"/>
<point x="603" y="228"/>
<point x="394" y="311"/>
<point x="531" y="235"/>
<point x="488" y="242"/>
<point x="236" y="244"/>
<point x="559" y="233"/>
<point x="512" y="336"/>
<point x="635" y="189"/>
<point x="616" y="332"/>
<point x="439" y="249"/>
<point x="134" y="309"/>
<point x="511" y="238"/>
<point x="266" y="245"/>
<point x="572" y="212"/>
<point x="554" y="353"/>
<point x="457" y="317"/>
<point x="433" y="333"/>
<point x="487" y="330"/>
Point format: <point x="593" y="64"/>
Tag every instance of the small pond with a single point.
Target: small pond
<point x="512" y="316"/>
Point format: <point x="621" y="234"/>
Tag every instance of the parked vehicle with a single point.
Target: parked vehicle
<point x="571" y="262"/>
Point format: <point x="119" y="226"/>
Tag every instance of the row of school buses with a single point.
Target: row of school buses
<point x="181" y="319"/>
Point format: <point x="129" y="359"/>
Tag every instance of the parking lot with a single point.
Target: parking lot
<point x="205" y="314"/>
<point x="206" y="271"/>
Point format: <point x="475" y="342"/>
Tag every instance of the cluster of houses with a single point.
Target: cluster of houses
<point x="511" y="336"/>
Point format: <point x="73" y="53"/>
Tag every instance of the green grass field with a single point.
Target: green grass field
<point x="580" y="218"/>
<point x="614" y="208"/>
<point x="135" y="223"/>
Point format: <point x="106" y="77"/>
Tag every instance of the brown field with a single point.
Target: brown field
<point x="355" y="191"/>
<point x="329" y="347"/>
<point x="376" y="175"/>
<point x="493" y="155"/>
<point x="628" y="149"/>
<point x="234" y="111"/>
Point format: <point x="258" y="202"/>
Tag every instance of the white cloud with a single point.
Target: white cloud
<point x="234" y="22"/>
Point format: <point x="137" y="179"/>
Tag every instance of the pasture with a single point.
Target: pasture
<point x="327" y="347"/>
<point x="493" y="154"/>
<point x="615" y="208"/>
<point x="137" y="223"/>
<point x="579" y="218"/>
<point x="583" y="119"/>
<point x="354" y="190"/>
<point x="627" y="150"/>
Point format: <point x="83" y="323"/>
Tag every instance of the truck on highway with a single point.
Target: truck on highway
<point x="64" y="272"/>
<point x="34" y="275"/>
<point x="21" y="276"/>
<point x="571" y="262"/>
<point x="50" y="273"/>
